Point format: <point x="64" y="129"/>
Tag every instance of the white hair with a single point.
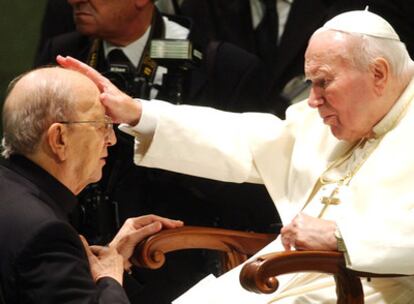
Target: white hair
<point x="28" y="114"/>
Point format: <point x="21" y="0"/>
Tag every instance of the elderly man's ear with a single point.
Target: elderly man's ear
<point x="381" y="70"/>
<point x="57" y="138"/>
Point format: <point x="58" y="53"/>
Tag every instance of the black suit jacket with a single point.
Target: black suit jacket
<point x="42" y="259"/>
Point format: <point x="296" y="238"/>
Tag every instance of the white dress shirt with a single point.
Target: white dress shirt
<point x="283" y="9"/>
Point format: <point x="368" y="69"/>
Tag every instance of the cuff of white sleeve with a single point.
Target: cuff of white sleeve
<point x="147" y="122"/>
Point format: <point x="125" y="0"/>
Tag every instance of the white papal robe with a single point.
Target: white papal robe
<point x="376" y="213"/>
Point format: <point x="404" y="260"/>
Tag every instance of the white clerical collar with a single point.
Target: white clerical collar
<point x="133" y="50"/>
<point x="398" y="109"/>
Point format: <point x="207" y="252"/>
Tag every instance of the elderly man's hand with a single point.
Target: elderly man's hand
<point x="309" y="233"/>
<point x="104" y="262"/>
<point x="119" y="106"/>
<point x="136" y="229"/>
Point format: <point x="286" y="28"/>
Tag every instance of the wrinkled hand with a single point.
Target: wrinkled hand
<point x="104" y="262"/>
<point x="309" y="233"/>
<point x="119" y="106"/>
<point x="135" y="230"/>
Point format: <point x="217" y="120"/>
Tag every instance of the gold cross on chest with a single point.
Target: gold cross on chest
<point x="330" y="200"/>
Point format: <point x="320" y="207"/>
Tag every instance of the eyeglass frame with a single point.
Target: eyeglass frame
<point x="107" y="121"/>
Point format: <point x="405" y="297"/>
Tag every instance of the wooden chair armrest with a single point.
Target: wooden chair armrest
<point x="237" y="246"/>
<point x="260" y="274"/>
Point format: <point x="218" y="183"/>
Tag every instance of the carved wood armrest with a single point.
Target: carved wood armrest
<point x="260" y="274"/>
<point x="237" y="246"/>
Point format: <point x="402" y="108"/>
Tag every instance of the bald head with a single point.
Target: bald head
<point x="34" y="101"/>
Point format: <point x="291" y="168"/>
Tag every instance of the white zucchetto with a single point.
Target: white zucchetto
<point x="362" y="22"/>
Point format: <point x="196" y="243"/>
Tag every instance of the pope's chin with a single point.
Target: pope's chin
<point x="332" y="123"/>
<point x="337" y="132"/>
<point x="340" y="134"/>
<point x="330" y="120"/>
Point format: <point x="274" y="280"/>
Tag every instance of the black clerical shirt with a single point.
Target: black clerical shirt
<point x="42" y="259"/>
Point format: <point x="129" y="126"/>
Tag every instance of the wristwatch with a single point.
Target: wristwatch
<point x="339" y="241"/>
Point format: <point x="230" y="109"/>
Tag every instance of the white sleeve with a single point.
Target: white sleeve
<point x="147" y="123"/>
<point x="207" y="142"/>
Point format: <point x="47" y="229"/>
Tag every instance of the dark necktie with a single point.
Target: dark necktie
<point x="121" y="72"/>
<point x="117" y="57"/>
<point x="267" y="33"/>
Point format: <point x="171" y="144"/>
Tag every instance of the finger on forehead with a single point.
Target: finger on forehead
<point x="76" y="65"/>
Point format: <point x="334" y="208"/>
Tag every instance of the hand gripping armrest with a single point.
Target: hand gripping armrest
<point x="236" y="246"/>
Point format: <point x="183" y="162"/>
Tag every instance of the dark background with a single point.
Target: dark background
<point x="19" y="33"/>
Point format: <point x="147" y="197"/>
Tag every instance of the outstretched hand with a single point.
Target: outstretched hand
<point x="309" y="233"/>
<point x="119" y="106"/>
<point x="135" y="230"/>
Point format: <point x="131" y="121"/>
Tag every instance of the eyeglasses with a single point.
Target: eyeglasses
<point x="106" y="122"/>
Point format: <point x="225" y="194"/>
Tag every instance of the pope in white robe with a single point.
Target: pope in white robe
<point x="360" y="153"/>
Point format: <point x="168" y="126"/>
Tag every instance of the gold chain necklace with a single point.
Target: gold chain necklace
<point x="345" y="180"/>
<point x="332" y="199"/>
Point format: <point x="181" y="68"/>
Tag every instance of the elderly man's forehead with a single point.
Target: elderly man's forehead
<point x="53" y="82"/>
<point x="49" y="76"/>
<point x="59" y="73"/>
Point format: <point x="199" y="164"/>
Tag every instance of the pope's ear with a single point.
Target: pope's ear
<point x="381" y="70"/>
<point x="57" y="140"/>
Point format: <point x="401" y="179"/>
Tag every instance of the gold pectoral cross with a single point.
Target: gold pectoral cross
<point x="330" y="200"/>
